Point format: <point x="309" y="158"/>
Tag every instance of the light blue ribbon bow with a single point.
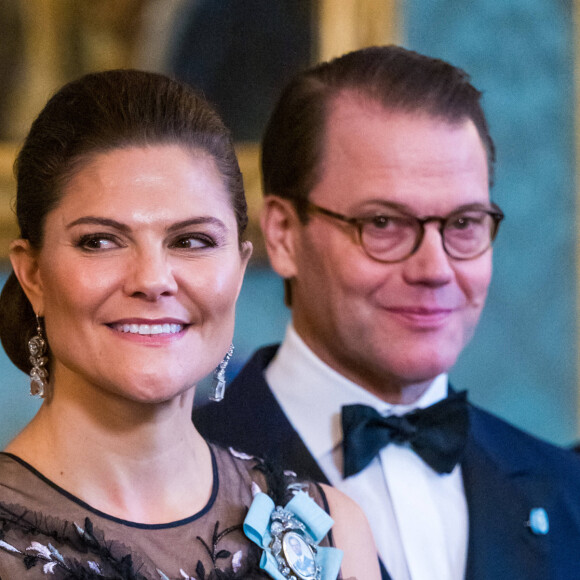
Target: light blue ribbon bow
<point x="266" y="524"/>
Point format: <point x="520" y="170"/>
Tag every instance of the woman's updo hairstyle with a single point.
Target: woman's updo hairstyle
<point x="98" y="113"/>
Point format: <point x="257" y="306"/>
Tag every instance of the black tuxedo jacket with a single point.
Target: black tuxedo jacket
<point x="506" y="474"/>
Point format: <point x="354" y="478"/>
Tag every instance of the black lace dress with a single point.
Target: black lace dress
<point x="45" y="532"/>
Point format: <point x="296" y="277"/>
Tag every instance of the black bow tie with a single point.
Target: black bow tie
<point x="437" y="434"/>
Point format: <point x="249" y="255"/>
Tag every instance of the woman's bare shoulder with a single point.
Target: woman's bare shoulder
<point x="353" y="536"/>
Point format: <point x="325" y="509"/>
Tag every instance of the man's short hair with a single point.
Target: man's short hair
<point x="394" y="77"/>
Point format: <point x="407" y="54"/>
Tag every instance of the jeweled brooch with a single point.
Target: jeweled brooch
<point x="289" y="537"/>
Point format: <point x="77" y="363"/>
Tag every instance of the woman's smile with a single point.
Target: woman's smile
<point x="149" y="329"/>
<point x="159" y="333"/>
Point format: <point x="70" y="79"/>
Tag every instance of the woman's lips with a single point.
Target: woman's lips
<point x="148" y="329"/>
<point x="159" y="328"/>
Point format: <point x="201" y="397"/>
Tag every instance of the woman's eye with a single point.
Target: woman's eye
<point x="94" y="242"/>
<point x="193" y="242"/>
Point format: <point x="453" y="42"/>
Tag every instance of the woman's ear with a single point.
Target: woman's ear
<point x="24" y="261"/>
<point x="245" y="254"/>
<point x="280" y="226"/>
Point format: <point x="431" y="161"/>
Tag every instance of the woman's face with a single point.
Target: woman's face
<point x="139" y="273"/>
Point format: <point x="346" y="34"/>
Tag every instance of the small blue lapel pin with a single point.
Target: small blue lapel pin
<point x="539" y="523"/>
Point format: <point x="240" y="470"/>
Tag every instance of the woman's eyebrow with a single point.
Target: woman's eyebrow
<point x="100" y="222"/>
<point x="195" y="222"/>
<point x="125" y="228"/>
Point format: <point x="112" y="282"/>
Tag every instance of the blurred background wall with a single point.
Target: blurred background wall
<point x="522" y="364"/>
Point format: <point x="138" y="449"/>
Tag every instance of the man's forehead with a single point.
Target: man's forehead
<point x="374" y="155"/>
<point x="349" y="106"/>
<point x="352" y="112"/>
<point x="369" y="125"/>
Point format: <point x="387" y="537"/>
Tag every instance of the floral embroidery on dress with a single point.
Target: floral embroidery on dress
<point x="106" y="564"/>
<point x="81" y="540"/>
<point x="216" y="554"/>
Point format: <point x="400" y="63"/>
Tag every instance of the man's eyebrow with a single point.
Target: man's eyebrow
<point x="111" y="223"/>
<point x="476" y="206"/>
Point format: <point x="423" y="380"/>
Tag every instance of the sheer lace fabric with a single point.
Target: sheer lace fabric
<point x="45" y="532"/>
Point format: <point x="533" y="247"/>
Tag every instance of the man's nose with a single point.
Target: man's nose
<point x="430" y="264"/>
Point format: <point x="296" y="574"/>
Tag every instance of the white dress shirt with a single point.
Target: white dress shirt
<point x="418" y="517"/>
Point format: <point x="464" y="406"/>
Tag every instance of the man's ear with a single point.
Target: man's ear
<point x="280" y="226"/>
<point x="24" y="261"/>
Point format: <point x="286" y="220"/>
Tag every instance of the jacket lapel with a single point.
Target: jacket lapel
<point x="266" y="431"/>
<point x="298" y="458"/>
<point x="501" y="543"/>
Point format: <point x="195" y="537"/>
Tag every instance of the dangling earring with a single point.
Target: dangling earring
<point x="219" y="377"/>
<point x="38" y="374"/>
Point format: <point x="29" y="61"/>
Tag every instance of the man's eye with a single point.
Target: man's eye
<point x="391" y="222"/>
<point x="464" y="222"/>
<point x="381" y="221"/>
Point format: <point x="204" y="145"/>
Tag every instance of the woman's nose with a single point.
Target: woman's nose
<point x="150" y="276"/>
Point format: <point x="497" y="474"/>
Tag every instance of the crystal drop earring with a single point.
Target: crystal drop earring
<point x="38" y="374"/>
<point x="219" y="377"/>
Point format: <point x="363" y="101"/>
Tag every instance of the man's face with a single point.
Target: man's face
<point x="388" y="326"/>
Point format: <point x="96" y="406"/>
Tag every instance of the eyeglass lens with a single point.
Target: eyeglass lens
<point x="395" y="237"/>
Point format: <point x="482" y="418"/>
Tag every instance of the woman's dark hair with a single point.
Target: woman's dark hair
<point x="394" y="77"/>
<point x="98" y="113"/>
